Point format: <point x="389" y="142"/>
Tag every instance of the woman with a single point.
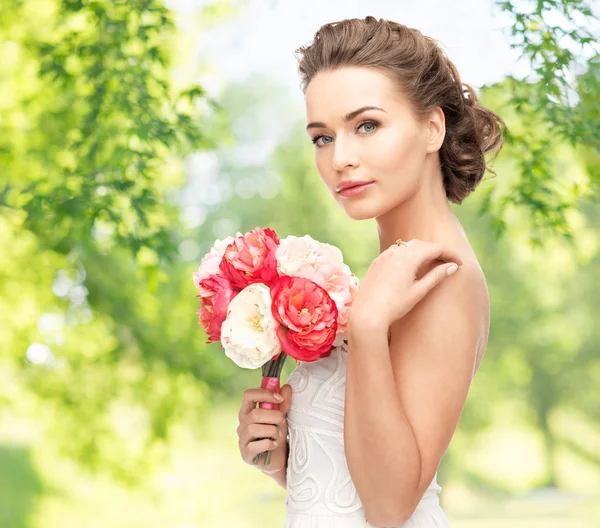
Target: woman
<point x="397" y="135"/>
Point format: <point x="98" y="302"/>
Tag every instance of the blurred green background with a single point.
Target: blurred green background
<point x="119" y="166"/>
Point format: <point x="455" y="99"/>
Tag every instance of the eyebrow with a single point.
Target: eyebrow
<point x="347" y="117"/>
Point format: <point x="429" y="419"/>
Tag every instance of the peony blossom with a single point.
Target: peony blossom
<point x="216" y="293"/>
<point x="249" y="332"/>
<point x="209" y="265"/>
<point x="308" y="317"/>
<point x="323" y="264"/>
<point x="250" y="258"/>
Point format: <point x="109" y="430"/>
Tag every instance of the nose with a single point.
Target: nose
<point x="342" y="156"/>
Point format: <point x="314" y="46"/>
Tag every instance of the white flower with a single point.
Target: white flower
<point x="249" y="332"/>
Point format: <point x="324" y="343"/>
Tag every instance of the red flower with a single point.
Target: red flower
<point x="250" y="258"/>
<point x="308" y="317"/>
<point x="216" y="296"/>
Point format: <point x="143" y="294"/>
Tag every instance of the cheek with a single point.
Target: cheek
<point x="324" y="169"/>
<point x="400" y="152"/>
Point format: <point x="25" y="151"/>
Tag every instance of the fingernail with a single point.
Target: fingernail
<point x="275" y="444"/>
<point x="278" y="396"/>
<point x="452" y="269"/>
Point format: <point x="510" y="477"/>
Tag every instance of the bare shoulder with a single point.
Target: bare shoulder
<point x="435" y="351"/>
<point x="472" y="282"/>
<point x="459" y="300"/>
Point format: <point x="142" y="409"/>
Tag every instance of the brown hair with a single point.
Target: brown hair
<point x="427" y="77"/>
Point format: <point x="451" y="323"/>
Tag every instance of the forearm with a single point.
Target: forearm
<point x="381" y="449"/>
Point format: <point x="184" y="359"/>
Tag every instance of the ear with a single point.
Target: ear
<point x="436" y="129"/>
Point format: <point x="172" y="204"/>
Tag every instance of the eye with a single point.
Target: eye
<point x="374" y="124"/>
<point x="316" y="138"/>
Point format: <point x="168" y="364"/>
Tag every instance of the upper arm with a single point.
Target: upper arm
<point x="433" y="351"/>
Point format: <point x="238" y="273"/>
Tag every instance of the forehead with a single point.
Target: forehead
<point x="332" y="94"/>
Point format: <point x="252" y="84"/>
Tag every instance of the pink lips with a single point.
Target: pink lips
<point x="355" y="190"/>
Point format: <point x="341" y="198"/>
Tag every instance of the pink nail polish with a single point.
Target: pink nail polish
<point x="452" y="269"/>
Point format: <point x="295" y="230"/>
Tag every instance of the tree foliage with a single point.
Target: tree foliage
<point x="557" y="102"/>
<point x="100" y="340"/>
<point x="92" y="142"/>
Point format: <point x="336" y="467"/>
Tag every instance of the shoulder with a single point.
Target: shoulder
<point x="456" y="311"/>
<point x="434" y="353"/>
<point x="467" y="288"/>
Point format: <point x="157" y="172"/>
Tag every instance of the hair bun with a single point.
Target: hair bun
<point x="429" y="79"/>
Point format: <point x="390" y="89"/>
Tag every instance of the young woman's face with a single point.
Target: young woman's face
<point x="386" y="147"/>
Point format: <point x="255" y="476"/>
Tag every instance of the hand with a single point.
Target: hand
<point x="390" y="289"/>
<point x="270" y="425"/>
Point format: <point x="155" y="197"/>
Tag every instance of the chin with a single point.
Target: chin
<point x="363" y="211"/>
<point x="367" y="209"/>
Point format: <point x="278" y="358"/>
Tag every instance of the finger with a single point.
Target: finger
<point x="253" y="396"/>
<point x="402" y="245"/>
<point x="266" y="416"/>
<point x="286" y="392"/>
<point x="406" y="243"/>
<point x="258" y="447"/>
<point x="422" y="252"/>
<point x="261" y="416"/>
<point x="258" y="431"/>
<point x="433" y="278"/>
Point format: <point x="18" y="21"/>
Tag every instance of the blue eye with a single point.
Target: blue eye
<point x="315" y="139"/>
<point x="374" y="124"/>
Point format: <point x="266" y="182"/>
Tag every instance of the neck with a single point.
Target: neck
<point x="426" y="215"/>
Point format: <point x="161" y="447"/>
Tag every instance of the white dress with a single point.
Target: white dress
<point x="320" y="492"/>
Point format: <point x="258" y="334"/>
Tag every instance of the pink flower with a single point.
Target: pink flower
<point x="250" y="258"/>
<point x="308" y="317"/>
<point x="323" y="264"/>
<point x="216" y="294"/>
<point x="209" y="265"/>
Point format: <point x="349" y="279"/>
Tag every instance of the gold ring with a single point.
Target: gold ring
<point x="401" y="242"/>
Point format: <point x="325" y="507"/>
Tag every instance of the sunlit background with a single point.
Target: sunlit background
<point x="133" y="134"/>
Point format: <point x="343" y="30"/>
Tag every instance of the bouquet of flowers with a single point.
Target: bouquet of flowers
<point x="265" y="299"/>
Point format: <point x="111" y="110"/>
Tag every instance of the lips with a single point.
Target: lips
<point x="350" y="184"/>
<point x="355" y="190"/>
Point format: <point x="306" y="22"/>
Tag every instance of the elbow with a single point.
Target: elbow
<point x="388" y="517"/>
<point x="386" y="521"/>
